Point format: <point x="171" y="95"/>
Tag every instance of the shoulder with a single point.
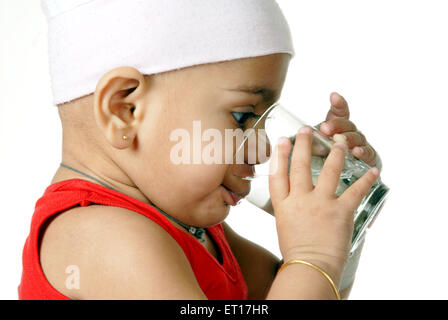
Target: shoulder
<point x="119" y="253"/>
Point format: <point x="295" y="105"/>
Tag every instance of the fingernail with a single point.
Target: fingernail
<point x="305" y="130"/>
<point x="339" y="138"/>
<point x="282" y="140"/>
<point x="375" y="171"/>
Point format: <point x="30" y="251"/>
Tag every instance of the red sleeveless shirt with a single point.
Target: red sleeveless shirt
<point x="217" y="281"/>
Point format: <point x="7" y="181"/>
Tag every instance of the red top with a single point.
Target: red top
<point x="218" y="282"/>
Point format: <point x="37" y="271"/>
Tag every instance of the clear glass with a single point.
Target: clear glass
<point x="278" y="122"/>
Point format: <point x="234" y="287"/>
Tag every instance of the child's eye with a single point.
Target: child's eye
<point x="242" y="117"/>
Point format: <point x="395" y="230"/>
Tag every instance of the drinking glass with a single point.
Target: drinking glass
<point x="278" y="122"/>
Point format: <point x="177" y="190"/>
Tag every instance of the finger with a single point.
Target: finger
<point x="352" y="197"/>
<point x="328" y="179"/>
<point x="278" y="171"/>
<point x="300" y="172"/>
<point x="366" y="154"/>
<point x="337" y="125"/>
<point x="339" y="107"/>
<point x="354" y="139"/>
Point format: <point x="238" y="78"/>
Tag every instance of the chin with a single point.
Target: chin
<point x="211" y="215"/>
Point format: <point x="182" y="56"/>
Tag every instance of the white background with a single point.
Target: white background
<point x="388" y="58"/>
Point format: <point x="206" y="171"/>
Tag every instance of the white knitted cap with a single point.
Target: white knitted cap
<point x="88" y="38"/>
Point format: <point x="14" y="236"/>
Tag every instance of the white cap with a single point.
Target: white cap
<point x="88" y="38"/>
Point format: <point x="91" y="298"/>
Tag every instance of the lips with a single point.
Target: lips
<point x="234" y="196"/>
<point x="238" y="187"/>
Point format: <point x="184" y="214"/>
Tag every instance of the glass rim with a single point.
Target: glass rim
<point x="272" y="106"/>
<point x="276" y="106"/>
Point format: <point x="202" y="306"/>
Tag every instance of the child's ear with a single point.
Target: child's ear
<point x="117" y="96"/>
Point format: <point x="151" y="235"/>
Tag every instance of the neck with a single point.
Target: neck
<point x="121" y="186"/>
<point x="101" y="170"/>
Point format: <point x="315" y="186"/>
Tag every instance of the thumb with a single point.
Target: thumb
<point x="339" y="107"/>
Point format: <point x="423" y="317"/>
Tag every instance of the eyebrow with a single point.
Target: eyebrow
<point x="266" y="93"/>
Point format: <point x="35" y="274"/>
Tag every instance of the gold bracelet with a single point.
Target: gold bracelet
<point x="335" y="290"/>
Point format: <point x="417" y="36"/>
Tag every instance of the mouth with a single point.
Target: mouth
<point x="233" y="198"/>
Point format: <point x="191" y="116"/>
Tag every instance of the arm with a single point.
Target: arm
<point x="119" y="253"/>
<point x="344" y="293"/>
<point x="258" y="265"/>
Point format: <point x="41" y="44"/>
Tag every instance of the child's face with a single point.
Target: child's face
<point x="194" y="192"/>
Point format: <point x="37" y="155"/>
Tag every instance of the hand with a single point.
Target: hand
<point x="337" y="122"/>
<point x="313" y="223"/>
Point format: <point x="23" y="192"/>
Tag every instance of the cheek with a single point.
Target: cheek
<point x="197" y="181"/>
<point x="184" y="180"/>
<point x="192" y="181"/>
